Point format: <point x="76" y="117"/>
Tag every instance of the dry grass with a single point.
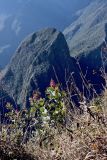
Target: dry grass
<point x="86" y="141"/>
<point x="10" y="151"/>
<point x="84" y="138"/>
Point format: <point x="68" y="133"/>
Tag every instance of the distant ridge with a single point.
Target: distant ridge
<point x="88" y="31"/>
<point x="87" y="36"/>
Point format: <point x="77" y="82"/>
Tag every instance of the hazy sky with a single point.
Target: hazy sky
<point x="18" y="18"/>
<point x="41" y="13"/>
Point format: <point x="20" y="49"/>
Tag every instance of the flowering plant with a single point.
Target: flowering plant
<point x="51" y="109"/>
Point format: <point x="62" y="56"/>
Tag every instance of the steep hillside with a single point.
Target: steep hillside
<point x="88" y="31"/>
<point x="87" y="40"/>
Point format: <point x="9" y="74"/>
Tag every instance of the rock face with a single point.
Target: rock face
<point x="40" y="57"/>
<point x="86" y="37"/>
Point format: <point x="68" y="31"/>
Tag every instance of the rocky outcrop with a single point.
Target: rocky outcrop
<point x="41" y="56"/>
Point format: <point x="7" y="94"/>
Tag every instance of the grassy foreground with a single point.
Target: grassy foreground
<point x="50" y="130"/>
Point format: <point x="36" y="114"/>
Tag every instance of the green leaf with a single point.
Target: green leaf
<point x="32" y="110"/>
<point x="41" y="102"/>
<point x="42" y="109"/>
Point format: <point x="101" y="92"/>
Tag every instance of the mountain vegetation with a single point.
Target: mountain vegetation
<point x="51" y="129"/>
<point x="53" y="95"/>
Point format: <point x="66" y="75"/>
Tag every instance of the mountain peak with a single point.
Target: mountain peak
<point x="40" y="57"/>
